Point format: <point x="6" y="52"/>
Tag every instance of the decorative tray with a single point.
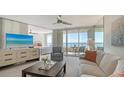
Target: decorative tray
<point x="47" y="66"/>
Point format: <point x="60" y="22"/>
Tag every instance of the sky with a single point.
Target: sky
<point x="73" y="37"/>
<point x="99" y="37"/>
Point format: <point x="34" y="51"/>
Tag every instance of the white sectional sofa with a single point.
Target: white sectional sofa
<point x="106" y="64"/>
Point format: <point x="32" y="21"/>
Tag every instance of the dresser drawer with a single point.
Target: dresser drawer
<point x="34" y="50"/>
<point x="34" y="55"/>
<point x="22" y="52"/>
<point x="8" y="53"/>
<point x="7" y="61"/>
<point x="22" y="55"/>
<point x="23" y="58"/>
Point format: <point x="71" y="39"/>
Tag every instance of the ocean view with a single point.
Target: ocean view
<point x="81" y="44"/>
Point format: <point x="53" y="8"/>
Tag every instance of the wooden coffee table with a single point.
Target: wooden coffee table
<point x="59" y="67"/>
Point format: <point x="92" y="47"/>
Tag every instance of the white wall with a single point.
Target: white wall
<point x="107" y="36"/>
<point x="39" y="38"/>
<point x="39" y="34"/>
<point x="9" y="26"/>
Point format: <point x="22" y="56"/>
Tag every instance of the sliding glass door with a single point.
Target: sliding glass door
<point x="65" y="42"/>
<point x="83" y="38"/>
<point x="74" y="42"/>
<point x="99" y="40"/>
<point x="73" y="45"/>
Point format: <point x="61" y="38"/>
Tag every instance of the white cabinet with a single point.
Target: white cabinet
<point x="8" y="57"/>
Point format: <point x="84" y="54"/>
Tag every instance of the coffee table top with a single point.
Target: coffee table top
<point x="34" y="70"/>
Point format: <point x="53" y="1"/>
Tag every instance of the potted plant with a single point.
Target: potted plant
<point x="45" y="62"/>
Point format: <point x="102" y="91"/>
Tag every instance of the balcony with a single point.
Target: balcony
<point x="79" y="48"/>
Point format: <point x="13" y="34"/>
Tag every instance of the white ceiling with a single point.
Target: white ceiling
<point x="46" y="21"/>
<point x="39" y="30"/>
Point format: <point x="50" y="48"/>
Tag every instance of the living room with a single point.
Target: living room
<point x="53" y="46"/>
<point x="84" y="46"/>
<point x="40" y="40"/>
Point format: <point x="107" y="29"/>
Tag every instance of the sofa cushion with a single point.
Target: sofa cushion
<point x="120" y="66"/>
<point x="85" y="75"/>
<point x="90" y="55"/>
<point x="91" y="70"/>
<point x="108" y="63"/>
<point x="83" y="61"/>
<point x="99" y="56"/>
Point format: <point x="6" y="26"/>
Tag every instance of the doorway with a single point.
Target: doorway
<point x="74" y="42"/>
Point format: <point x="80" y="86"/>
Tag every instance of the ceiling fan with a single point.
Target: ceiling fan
<point x="61" y="21"/>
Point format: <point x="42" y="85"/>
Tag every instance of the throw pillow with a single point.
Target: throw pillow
<point x="90" y="55"/>
<point x="118" y="74"/>
<point x="120" y="66"/>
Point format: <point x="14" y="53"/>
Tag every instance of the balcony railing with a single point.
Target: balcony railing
<point x="80" y="47"/>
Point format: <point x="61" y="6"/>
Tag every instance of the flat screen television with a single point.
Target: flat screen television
<point x="18" y="40"/>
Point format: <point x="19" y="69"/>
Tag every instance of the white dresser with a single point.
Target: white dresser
<point x="11" y="56"/>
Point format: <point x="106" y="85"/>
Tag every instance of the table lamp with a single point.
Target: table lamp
<point x="90" y="44"/>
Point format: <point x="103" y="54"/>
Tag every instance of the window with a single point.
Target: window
<point x="49" y="40"/>
<point x="83" y="38"/>
<point x="98" y="39"/>
<point x="64" y="39"/>
<point x="72" y="39"/>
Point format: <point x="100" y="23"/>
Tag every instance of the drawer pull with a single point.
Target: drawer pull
<point x="23" y="52"/>
<point x="34" y="54"/>
<point x="23" y="56"/>
<point x="34" y="51"/>
<point x="8" y="59"/>
<point x="8" y="54"/>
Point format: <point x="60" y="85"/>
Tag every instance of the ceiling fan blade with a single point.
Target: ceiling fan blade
<point x="59" y="17"/>
<point x="60" y="21"/>
<point x="67" y="23"/>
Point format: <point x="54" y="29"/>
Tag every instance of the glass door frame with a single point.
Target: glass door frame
<point x="67" y="32"/>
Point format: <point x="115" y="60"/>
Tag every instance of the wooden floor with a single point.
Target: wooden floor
<point x="72" y="68"/>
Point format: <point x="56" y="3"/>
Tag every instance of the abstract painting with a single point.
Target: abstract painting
<point x="117" y="38"/>
<point x="18" y="40"/>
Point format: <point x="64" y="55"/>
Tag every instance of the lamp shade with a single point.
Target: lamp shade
<point x="90" y="44"/>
